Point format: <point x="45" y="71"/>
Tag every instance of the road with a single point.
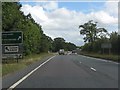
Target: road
<point x="71" y="71"/>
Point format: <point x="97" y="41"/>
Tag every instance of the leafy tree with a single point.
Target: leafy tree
<point x="96" y="45"/>
<point x="70" y="46"/>
<point x="14" y="20"/>
<point x="58" y="43"/>
<point x="114" y="41"/>
<point x="91" y="32"/>
<point x="46" y="43"/>
<point x="32" y="38"/>
<point x="10" y="15"/>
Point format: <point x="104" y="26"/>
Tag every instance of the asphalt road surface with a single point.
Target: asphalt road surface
<point x="68" y="71"/>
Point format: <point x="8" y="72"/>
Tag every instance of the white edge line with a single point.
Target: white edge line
<point x="93" y="69"/>
<point x="99" y="59"/>
<point x="19" y="81"/>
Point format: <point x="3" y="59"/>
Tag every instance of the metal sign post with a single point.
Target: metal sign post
<point x="12" y="44"/>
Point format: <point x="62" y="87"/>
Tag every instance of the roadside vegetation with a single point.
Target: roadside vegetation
<point x="94" y="37"/>
<point x="111" y="57"/>
<point x="12" y="66"/>
<point x="35" y="41"/>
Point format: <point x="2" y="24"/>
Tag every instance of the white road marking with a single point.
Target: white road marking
<point x="22" y="79"/>
<point x="99" y="59"/>
<point x="93" y="69"/>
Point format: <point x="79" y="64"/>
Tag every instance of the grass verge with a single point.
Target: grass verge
<point x="12" y="66"/>
<point x="111" y="57"/>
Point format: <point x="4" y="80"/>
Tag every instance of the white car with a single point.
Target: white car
<point x="61" y="52"/>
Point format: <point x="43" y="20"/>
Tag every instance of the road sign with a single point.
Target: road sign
<point x="12" y="37"/>
<point x="12" y="44"/>
<point x="106" y="45"/>
<point x="11" y="49"/>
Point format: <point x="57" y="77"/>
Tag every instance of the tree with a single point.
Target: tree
<point x="10" y="15"/>
<point x="70" y="46"/>
<point x="91" y="32"/>
<point x="46" y="43"/>
<point x="114" y="41"/>
<point x="58" y="43"/>
<point x="32" y="38"/>
<point x="14" y="20"/>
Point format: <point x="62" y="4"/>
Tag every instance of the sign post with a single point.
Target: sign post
<point x="106" y="46"/>
<point x="12" y="44"/>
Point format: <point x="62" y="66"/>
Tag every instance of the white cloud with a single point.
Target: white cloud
<point x="105" y="18"/>
<point x="26" y="9"/>
<point x="111" y="8"/>
<point x="61" y="22"/>
<point x="36" y="12"/>
<point x="51" y="5"/>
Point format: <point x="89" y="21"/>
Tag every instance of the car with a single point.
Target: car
<point x="61" y="52"/>
<point x="74" y="52"/>
<point x="69" y="52"/>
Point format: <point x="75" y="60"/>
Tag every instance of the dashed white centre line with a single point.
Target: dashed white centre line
<point x="22" y="79"/>
<point x="93" y="69"/>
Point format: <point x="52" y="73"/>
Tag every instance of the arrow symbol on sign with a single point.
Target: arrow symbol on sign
<point x="19" y="37"/>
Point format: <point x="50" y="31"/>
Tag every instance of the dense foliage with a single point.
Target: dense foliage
<point x="59" y="43"/>
<point x="91" y="32"/>
<point x="34" y="39"/>
<point x="95" y="40"/>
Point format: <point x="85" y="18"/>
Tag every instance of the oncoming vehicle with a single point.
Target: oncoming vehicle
<point x="61" y="52"/>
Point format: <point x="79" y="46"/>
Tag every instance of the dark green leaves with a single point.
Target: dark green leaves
<point x="34" y="41"/>
<point x="91" y="32"/>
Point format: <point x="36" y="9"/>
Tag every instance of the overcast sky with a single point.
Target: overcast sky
<point x="62" y="19"/>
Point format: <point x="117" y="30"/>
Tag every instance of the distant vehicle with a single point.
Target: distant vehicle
<point x="74" y="52"/>
<point x="69" y="52"/>
<point x="61" y="52"/>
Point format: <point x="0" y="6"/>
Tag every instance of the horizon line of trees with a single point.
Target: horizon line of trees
<point x="94" y="37"/>
<point x="34" y="39"/>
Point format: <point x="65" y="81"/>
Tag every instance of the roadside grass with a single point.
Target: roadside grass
<point x="111" y="57"/>
<point x="12" y="66"/>
<point x="8" y="68"/>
